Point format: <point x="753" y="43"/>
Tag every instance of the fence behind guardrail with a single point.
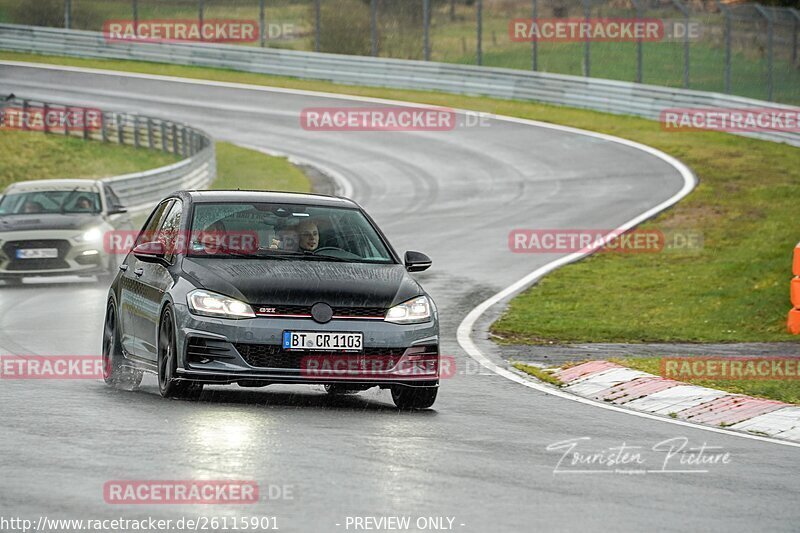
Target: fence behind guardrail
<point x="730" y="47"/>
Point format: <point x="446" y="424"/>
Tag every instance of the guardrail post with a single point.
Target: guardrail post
<point x="25" y="115"/>
<point x="103" y="131"/>
<point x="45" y="125"/>
<point x="479" y="37"/>
<point x="120" y="132"/>
<point x="135" y="9"/>
<point x="184" y="149"/>
<point x="262" y="23"/>
<point x="770" y="42"/>
<point x="587" y="64"/>
<point x="373" y="26"/>
<point x="535" y="42"/>
<point x="66" y="121"/>
<point x="174" y="138"/>
<point x="426" y="28"/>
<point x="317" y="24"/>
<point x="136" y="131"/>
<point x="149" y="133"/>
<point x="68" y="14"/>
<point x="163" y="128"/>
<point x="85" y="128"/>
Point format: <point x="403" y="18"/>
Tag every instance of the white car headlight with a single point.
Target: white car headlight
<point x="90" y="235"/>
<point x="414" y="311"/>
<point x="212" y="304"/>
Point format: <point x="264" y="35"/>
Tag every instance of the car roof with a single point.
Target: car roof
<point x="270" y="196"/>
<point x="53" y="185"/>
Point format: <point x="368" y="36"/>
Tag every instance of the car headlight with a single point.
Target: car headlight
<point x="90" y="235"/>
<point x="212" y="304"/>
<point x="414" y="311"/>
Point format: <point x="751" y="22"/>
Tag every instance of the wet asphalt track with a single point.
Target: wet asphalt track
<point x="480" y="456"/>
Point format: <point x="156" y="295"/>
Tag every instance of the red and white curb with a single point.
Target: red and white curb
<point x="612" y="383"/>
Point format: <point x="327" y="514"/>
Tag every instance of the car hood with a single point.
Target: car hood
<point x="46" y="221"/>
<point x="282" y="282"/>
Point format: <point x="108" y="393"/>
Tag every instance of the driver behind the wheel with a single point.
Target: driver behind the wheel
<point x="308" y="233"/>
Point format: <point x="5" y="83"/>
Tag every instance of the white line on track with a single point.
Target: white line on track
<point x="465" y="329"/>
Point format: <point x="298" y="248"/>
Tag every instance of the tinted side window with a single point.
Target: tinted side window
<point x="111" y="198"/>
<point x="148" y="232"/>
<point x="169" y="231"/>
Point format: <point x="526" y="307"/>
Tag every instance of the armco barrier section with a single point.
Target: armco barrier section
<point x="140" y="190"/>
<point x="618" y="97"/>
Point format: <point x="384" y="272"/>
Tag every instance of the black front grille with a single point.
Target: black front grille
<point x="10" y="250"/>
<point x="305" y="310"/>
<point x="360" y="312"/>
<point x="274" y="356"/>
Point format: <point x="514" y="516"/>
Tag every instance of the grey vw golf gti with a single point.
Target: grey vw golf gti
<point x="257" y="288"/>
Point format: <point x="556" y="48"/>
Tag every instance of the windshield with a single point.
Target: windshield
<point x="46" y="202"/>
<point x="281" y="231"/>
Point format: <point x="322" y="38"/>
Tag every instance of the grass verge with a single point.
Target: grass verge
<point x="781" y="390"/>
<point x="242" y="168"/>
<point x="734" y="289"/>
<point x="26" y="155"/>
<point x="538" y="373"/>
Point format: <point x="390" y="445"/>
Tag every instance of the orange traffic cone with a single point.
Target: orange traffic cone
<point x="796" y="260"/>
<point x="793" y="322"/>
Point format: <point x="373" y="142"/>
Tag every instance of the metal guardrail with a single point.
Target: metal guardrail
<point x="589" y="93"/>
<point x="138" y="191"/>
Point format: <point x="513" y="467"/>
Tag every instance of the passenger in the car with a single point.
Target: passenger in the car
<point x="32" y="206"/>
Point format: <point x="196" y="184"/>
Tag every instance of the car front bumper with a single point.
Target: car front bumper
<point x="249" y="352"/>
<point x="74" y="257"/>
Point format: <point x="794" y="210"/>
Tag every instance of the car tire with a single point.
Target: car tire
<point x="168" y="385"/>
<point x="410" y="398"/>
<point x="114" y="371"/>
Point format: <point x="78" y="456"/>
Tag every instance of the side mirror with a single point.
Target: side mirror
<point x="117" y="210"/>
<point x="417" y="261"/>
<point x="150" y="252"/>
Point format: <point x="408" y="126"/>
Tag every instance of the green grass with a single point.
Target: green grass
<point x="241" y="168"/>
<point x="734" y="289"/>
<point x="26" y="155"/>
<point x="33" y="155"/>
<point x="538" y="373"/>
<point x="781" y="390"/>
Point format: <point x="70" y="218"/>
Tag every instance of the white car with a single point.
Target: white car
<point x="60" y="227"/>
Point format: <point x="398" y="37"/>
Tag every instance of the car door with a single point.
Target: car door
<point x="130" y="287"/>
<point x="155" y="279"/>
